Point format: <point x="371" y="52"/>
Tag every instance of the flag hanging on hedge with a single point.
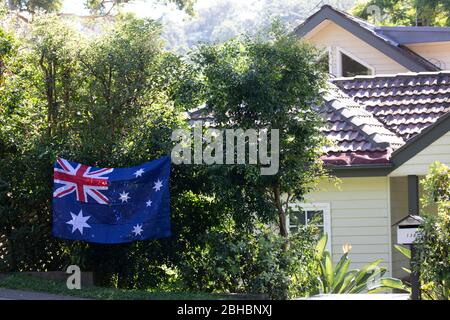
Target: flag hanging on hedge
<point x="107" y="205"/>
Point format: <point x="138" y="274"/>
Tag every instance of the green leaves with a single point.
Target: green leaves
<point x="405" y="251"/>
<point x="338" y="280"/>
<point x="320" y="248"/>
<point x="389" y="284"/>
<point x="102" y="101"/>
<point x="433" y="241"/>
<point x="341" y="270"/>
<point x="406" y="12"/>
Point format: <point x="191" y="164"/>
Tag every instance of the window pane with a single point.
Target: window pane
<point x="351" y="68"/>
<point x="315" y="217"/>
<point x="298" y="218"/>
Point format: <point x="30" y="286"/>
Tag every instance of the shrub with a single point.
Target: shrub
<point x="338" y="279"/>
<point x="433" y="242"/>
<point x="243" y="262"/>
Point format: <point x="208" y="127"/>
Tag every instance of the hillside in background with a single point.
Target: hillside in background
<point x="220" y="20"/>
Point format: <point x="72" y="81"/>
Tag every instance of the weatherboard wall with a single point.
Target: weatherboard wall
<point x="360" y="216"/>
<point x="330" y="35"/>
<point x="435" y="52"/>
<point x="399" y="210"/>
<point x="419" y="164"/>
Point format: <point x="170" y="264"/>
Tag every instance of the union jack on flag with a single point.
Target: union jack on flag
<point x="81" y="180"/>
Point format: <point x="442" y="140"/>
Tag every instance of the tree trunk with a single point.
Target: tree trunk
<point x="281" y="212"/>
<point x="50" y="91"/>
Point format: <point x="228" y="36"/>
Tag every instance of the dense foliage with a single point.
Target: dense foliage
<point x="99" y="7"/>
<point x="337" y="278"/>
<point x="103" y="101"/>
<point x="405" y="12"/>
<point x="113" y="99"/>
<point x="267" y="83"/>
<point x="236" y="261"/>
<point x="433" y="242"/>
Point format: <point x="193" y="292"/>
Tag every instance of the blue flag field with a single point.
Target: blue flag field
<point x="111" y="205"/>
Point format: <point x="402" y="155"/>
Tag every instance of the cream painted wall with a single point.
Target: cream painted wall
<point x="360" y="215"/>
<point x="419" y="164"/>
<point x="436" y="52"/>
<point x="330" y="35"/>
<point x="399" y="209"/>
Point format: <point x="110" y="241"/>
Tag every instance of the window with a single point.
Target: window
<point x="350" y="66"/>
<point x="311" y="213"/>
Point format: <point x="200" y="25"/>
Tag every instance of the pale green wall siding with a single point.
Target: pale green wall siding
<point x="359" y="216"/>
<point x="436" y="52"/>
<point x="330" y="35"/>
<point x="399" y="210"/>
<point x="419" y="164"/>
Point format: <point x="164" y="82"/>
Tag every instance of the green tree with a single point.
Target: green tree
<point x="110" y="100"/>
<point x="104" y="101"/>
<point x="97" y="7"/>
<point x="34" y="6"/>
<point x="237" y="261"/>
<point x="433" y="242"/>
<point x="406" y="12"/>
<point x="267" y="82"/>
<point x="105" y="7"/>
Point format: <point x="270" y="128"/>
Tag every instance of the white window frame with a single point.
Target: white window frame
<point x="341" y="51"/>
<point x="325" y="207"/>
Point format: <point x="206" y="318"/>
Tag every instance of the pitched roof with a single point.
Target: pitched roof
<point x="370" y="117"/>
<point x="385" y="40"/>
<point x="357" y="136"/>
<point x="380" y="120"/>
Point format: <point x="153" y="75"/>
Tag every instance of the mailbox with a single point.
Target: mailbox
<point x="407" y="229"/>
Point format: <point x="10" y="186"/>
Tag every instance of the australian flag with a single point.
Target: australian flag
<point x="111" y="205"/>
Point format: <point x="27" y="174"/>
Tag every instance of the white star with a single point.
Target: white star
<point x="158" y="185"/>
<point x="139" y="173"/>
<point x="124" y="197"/>
<point x="137" y="230"/>
<point x="78" y="222"/>
<point x="149" y="203"/>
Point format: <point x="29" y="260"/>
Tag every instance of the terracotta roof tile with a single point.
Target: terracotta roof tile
<point x="403" y="103"/>
<point x="369" y="117"/>
<point x="357" y="136"/>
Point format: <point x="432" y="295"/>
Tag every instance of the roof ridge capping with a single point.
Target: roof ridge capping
<point x="392" y="75"/>
<point x="358" y="116"/>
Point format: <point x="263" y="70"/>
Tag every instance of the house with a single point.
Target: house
<point x="387" y="110"/>
<point x="355" y="47"/>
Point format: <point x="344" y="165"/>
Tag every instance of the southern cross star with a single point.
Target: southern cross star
<point x="124" y="196"/>
<point x="137" y="230"/>
<point x="139" y="173"/>
<point x="78" y="222"/>
<point x="158" y="185"/>
<point x="149" y="203"/>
